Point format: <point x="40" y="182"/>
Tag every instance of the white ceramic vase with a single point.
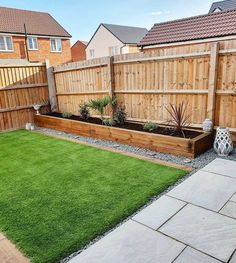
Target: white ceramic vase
<point x="223" y="144"/>
<point x="207" y="125"/>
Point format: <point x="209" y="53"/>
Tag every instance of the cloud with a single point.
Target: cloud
<point x="156" y="13"/>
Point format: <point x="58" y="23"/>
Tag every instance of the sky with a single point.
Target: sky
<point x="82" y="17"/>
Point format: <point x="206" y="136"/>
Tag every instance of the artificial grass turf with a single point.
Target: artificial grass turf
<point x="56" y="195"/>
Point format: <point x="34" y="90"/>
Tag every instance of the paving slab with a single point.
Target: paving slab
<point x="229" y="209"/>
<point x="131" y="243"/>
<point x="233" y="259"/>
<point x="205" y="189"/>
<point x="190" y="255"/>
<point x="233" y="198"/>
<point x="204" y="230"/>
<point x="222" y="166"/>
<point x="159" y="212"/>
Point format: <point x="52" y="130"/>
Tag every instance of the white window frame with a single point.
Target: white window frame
<point x="34" y="48"/>
<point x="92" y="53"/>
<point x="56" y="39"/>
<point x="113" y="50"/>
<point x="5" y="43"/>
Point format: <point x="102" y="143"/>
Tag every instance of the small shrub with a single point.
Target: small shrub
<point x="120" y="115"/>
<point x="150" y="126"/>
<point x="84" y="111"/>
<point x="66" y="115"/>
<point x="108" y="121"/>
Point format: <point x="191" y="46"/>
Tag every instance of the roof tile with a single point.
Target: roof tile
<point x="37" y="23"/>
<point x="192" y="28"/>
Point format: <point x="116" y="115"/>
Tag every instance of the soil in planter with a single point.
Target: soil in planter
<point x="168" y="130"/>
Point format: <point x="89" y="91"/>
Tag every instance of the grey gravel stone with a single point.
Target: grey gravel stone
<point x="196" y="163"/>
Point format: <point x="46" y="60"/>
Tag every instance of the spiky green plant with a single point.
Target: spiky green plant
<point x="100" y="104"/>
<point x="179" y="117"/>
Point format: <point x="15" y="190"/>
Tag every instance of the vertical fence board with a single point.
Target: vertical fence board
<point x="147" y="82"/>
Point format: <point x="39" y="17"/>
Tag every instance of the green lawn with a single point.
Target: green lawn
<point x="56" y="195"/>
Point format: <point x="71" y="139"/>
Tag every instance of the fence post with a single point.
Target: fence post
<point x="111" y="81"/>
<point x="51" y="87"/>
<point x="211" y="101"/>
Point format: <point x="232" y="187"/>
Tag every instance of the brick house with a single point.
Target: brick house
<point x="78" y="50"/>
<point x="32" y="36"/>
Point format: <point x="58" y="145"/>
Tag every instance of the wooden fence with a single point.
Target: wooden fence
<point x="21" y="86"/>
<point x="147" y="82"/>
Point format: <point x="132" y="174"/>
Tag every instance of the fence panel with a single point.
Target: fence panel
<point x="202" y="75"/>
<point x="21" y="86"/>
<point x="80" y="82"/>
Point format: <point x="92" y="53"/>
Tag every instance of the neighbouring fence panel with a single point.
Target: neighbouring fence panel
<point x="20" y="88"/>
<point x="147" y="82"/>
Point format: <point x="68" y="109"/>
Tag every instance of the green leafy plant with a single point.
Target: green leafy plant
<point x="179" y="117"/>
<point x="108" y="121"/>
<point x="100" y="104"/>
<point x="84" y="111"/>
<point x="120" y="115"/>
<point x="66" y="115"/>
<point x="150" y="126"/>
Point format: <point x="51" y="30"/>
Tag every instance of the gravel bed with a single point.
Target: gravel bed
<point x="196" y="164"/>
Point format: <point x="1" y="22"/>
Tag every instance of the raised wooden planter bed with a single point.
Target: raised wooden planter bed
<point x="161" y="143"/>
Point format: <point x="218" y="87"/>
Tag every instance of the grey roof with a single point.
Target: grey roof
<point x="223" y="5"/>
<point x="127" y="34"/>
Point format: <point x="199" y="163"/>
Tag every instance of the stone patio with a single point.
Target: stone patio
<point x="195" y="222"/>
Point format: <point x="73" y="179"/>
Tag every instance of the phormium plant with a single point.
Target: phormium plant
<point x="179" y="117"/>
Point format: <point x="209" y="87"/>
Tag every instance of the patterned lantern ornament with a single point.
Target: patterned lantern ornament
<point x="223" y="144"/>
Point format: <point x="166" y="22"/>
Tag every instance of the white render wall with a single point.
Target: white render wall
<point x="101" y="42"/>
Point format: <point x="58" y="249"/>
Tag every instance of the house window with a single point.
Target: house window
<point x="56" y="45"/>
<point x="113" y="51"/>
<point x="92" y="53"/>
<point x="6" y="43"/>
<point x="32" y="43"/>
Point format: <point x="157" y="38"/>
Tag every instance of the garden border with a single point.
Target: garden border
<point x="162" y="143"/>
